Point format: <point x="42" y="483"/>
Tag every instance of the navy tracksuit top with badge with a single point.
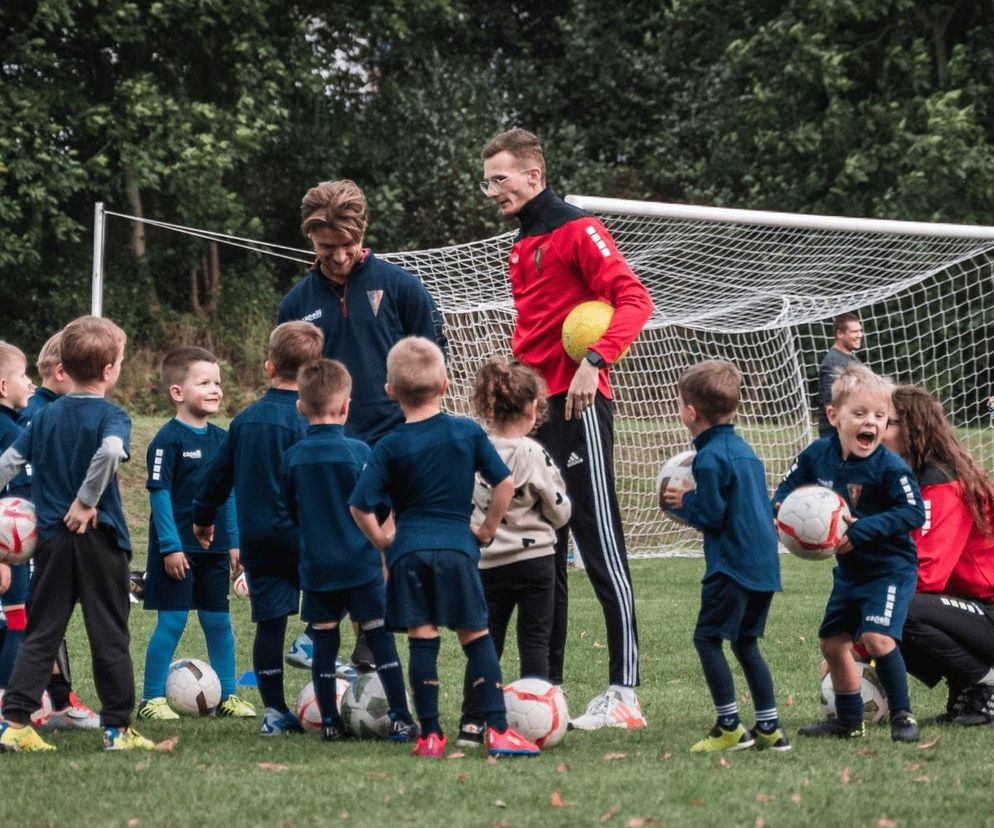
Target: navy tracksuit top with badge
<point x="731" y="506"/>
<point x="378" y="305"/>
<point x="318" y="476"/>
<point x="883" y="496"/>
<point x="178" y="460"/>
<point x="249" y="460"/>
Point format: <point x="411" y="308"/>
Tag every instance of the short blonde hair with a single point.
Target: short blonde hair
<point x="291" y="345"/>
<point x="50" y="355"/>
<point x="89" y="344"/>
<point x="11" y="358"/>
<point x="415" y="370"/>
<point x="320" y="383"/>
<point x="855" y="378"/>
<point x="523" y="145"/>
<point x="713" y="387"/>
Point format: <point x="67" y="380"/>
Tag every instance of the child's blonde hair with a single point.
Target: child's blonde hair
<point x="415" y="370"/>
<point x="89" y="344"/>
<point x="291" y="345"/>
<point x="713" y="387"/>
<point x="50" y="355"/>
<point x="857" y="377"/>
<point x="503" y="389"/>
<point x="320" y="382"/>
<point x="11" y="358"/>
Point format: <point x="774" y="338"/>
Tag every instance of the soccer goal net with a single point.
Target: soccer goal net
<point x="759" y="289"/>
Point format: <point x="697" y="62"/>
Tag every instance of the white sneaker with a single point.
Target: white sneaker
<point x="617" y="707"/>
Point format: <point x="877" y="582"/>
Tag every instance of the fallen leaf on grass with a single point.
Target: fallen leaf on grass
<point x="500" y="803"/>
<point x="884" y="822"/>
<point x="699" y="803"/>
<point x="491" y="760"/>
<point x="74" y="765"/>
<point x="723" y="762"/>
<point x="610" y="812"/>
<point x="598" y="645"/>
<point x="143" y="764"/>
<point x="665" y="757"/>
<point x="931" y="744"/>
<point x="746" y="699"/>
<point x="765" y="797"/>
<point x="644" y="822"/>
<point x="923" y="779"/>
<point x="564" y="767"/>
<point x="846" y="776"/>
<point x="462" y="777"/>
<point x="455" y="755"/>
<point x="134" y="822"/>
<point x="911" y="767"/>
<point x="760" y="822"/>
<point x="556" y="801"/>
<point x="376" y="775"/>
<point x="272" y="766"/>
<point x="613" y="757"/>
<point x="343" y="814"/>
<point x="795" y="798"/>
<point x="167" y="745"/>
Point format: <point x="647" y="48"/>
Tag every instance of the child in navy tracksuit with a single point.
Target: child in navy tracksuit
<point x="339" y="569"/>
<point x="181" y="576"/>
<point x="74" y="446"/>
<point x="874" y="579"/>
<point x="249" y="461"/>
<point x="425" y="468"/>
<point x="731" y="506"/>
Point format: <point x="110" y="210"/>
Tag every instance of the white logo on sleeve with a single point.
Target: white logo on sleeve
<point x="315" y="314"/>
<point x="157" y="465"/>
<point x="595" y="237"/>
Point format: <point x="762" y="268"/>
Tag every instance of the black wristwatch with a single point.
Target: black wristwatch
<point x="595" y="359"/>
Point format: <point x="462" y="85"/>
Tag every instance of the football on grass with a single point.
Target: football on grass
<point x="18" y="530"/>
<point x="365" y="709"/>
<point x="812" y="522"/>
<point x="678" y="472"/>
<point x="537" y="710"/>
<point x="192" y="687"/>
<point x="870" y="688"/>
<point x="308" y="711"/>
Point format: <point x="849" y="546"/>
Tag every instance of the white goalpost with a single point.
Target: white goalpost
<point x="760" y="289"/>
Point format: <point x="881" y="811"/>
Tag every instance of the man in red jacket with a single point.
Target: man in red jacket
<point x="564" y="256"/>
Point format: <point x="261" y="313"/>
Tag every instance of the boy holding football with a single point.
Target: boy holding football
<point x="340" y="571"/>
<point x="731" y="506"/>
<point x="181" y="576"/>
<point x="249" y="461"/>
<point x="425" y="468"/>
<point x="74" y="446"/>
<point x="874" y="578"/>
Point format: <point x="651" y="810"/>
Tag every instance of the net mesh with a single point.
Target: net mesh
<point x="762" y="296"/>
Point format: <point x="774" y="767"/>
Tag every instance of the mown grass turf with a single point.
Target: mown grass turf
<point x="221" y="773"/>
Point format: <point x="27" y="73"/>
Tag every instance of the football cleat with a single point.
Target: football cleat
<point x="431" y="746"/>
<point x="301" y="653"/>
<point x="157" y="710"/>
<point x="335" y="732"/>
<point x="509" y="743"/>
<point x="617" y="707"/>
<point x="275" y="723"/>
<point x="126" y="738"/>
<point x="471" y="734"/>
<point x="401" y="731"/>
<point x="977" y="706"/>
<point x="235" y="707"/>
<point x="903" y="727"/>
<point x="738" y="738"/>
<point x="834" y="727"/>
<point x="362" y="656"/>
<point x="777" y="740"/>
<point x="77" y="716"/>
<point x="21" y="740"/>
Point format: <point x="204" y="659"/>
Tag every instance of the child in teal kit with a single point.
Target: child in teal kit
<point x="180" y="575"/>
<point x="731" y="506"/>
<point x="426" y="468"/>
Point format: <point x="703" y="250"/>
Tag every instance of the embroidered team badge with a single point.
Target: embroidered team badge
<point x="855" y="490"/>
<point x="375" y="297"/>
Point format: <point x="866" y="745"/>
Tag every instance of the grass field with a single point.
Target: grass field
<point x="221" y="773"/>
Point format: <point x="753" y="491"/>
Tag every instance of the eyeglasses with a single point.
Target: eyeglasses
<point x="498" y="181"/>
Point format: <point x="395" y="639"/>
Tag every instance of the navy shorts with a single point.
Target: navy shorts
<point x="366" y="602"/>
<point x="879" y="606"/>
<point x="274" y="590"/>
<point x="204" y="586"/>
<point x="20" y="583"/>
<point x="729" y="611"/>
<point x="436" y="586"/>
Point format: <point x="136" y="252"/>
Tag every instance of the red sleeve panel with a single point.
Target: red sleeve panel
<point x="553" y="273"/>
<point x="940" y="542"/>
